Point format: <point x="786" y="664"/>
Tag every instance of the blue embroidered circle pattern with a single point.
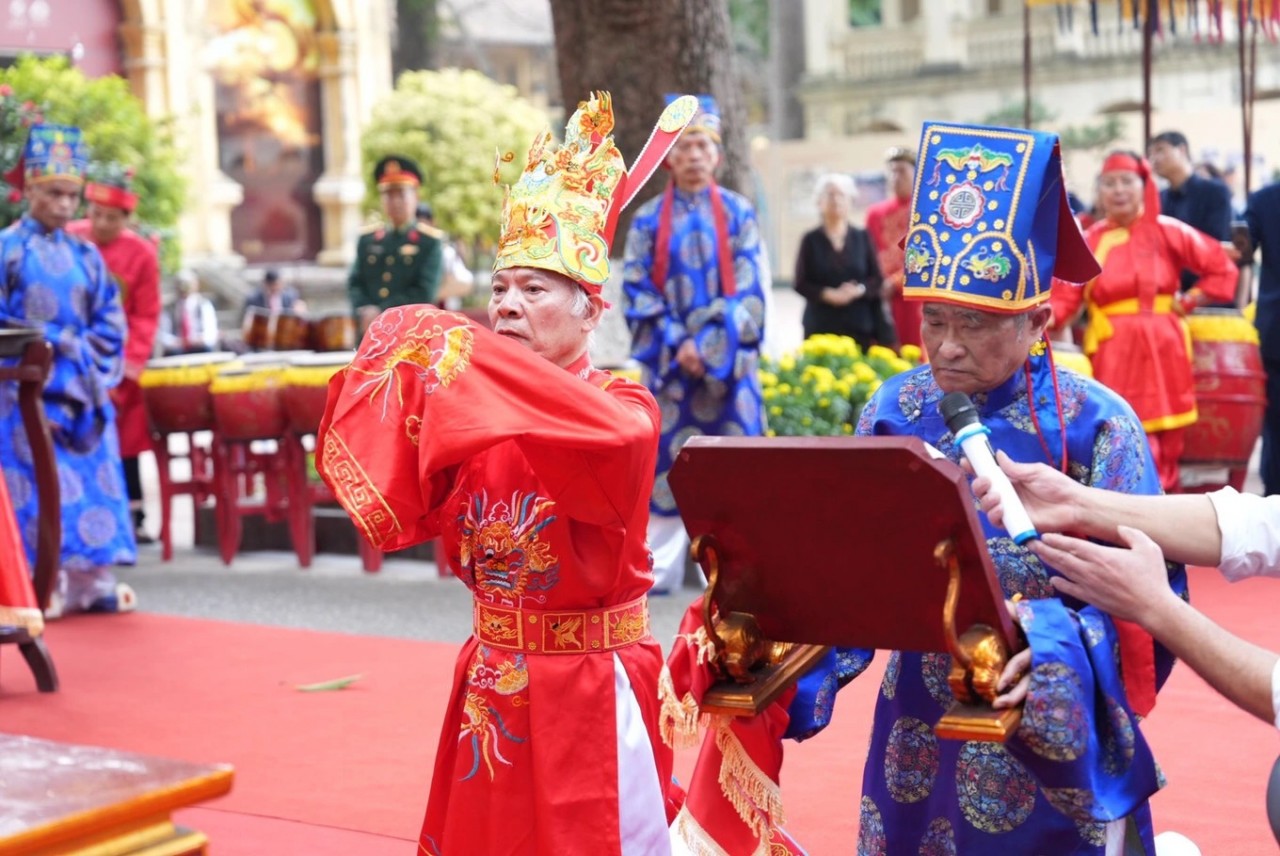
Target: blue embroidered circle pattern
<point x="939" y="839"/>
<point x="1075" y="803"/>
<point x="912" y="393"/>
<point x="706" y="408"/>
<point x="97" y="526"/>
<point x="70" y="487"/>
<point x="677" y="441"/>
<point x="1094" y="630"/>
<point x="1019" y="571"/>
<point x="996" y="793"/>
<point x="910" y="760"/>
<point x="1054" y="724"/>
<point x="1120" y="455"/>
<point x="871" y="838"/>
<point x="934" y="669"/>
<point x="889" y="685"/>
<point x="1118" y="743"/>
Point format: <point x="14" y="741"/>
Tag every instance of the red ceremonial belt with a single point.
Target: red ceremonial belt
<point x="562" y="631"/>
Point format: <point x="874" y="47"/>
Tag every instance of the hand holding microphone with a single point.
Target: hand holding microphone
<point x="962" y="420"/>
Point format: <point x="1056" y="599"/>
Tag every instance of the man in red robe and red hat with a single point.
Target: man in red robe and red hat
<point x="535" y="469"/>
<point x="133" y="262"/>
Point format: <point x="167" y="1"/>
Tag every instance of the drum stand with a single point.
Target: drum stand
<point x="236" y="468"/>
<point x="199" y="484"/>
<point x="304" y="495"/>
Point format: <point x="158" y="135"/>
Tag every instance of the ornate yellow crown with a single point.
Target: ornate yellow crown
<point x="561" y="213"/>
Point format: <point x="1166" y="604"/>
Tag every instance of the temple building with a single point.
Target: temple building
<point x="267" y="98"/>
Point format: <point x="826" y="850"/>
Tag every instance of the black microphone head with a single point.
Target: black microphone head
<point x="957" y="410"/>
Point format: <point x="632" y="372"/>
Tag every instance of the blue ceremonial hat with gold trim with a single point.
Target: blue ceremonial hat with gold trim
<point x="990" y="223"/>
<point x="706" y="120"/>
<point x="54" y="151"/>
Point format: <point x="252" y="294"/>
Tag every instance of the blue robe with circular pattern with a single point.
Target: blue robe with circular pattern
<point x="60" y="283"/>
<point x="692" y="304"/>
<point x="1078" y="759"/>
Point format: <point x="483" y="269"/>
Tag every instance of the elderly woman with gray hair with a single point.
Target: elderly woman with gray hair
<point x="837" y="272"/>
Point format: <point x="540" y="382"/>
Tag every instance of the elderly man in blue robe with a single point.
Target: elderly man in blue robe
<point x="990" y="228"/>
<point x="60" y="284"/>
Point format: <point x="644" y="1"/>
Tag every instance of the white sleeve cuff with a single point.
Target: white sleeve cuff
<point x="1275" y="691"/>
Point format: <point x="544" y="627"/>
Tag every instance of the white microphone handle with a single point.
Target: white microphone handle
<point x="973" y="441"/>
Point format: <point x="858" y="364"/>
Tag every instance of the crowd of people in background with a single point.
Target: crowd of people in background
<point x="696" y="286"/>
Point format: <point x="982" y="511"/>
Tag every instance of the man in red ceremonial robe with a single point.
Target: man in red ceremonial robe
<point x="134" y="263"/>
<point x="887" y="223"/>
<point x="535" y="470"/>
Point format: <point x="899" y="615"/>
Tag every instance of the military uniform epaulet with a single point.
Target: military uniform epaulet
<point x="370" y="229"/>
<point x="430" y="231"/>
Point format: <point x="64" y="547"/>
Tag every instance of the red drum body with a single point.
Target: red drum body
<point x="335" y="332"/>
<point x="306" y="387"/>
<point x="247" y="403"/>
<point x="256" y="329"/>
<point x="175" y="391"/>
<point x="290" y="332"/>
<point x="1231" y="392"/>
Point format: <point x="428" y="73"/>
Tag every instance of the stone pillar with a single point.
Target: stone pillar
<point x="340" y="189"/>
<point x="944" y="44"/>
<point x="826" y="23"/>
<point x="145" y="58"/>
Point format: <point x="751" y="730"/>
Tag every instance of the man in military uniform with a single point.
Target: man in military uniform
<point x="399" y="261"/>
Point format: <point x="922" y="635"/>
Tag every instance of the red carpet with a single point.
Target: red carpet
<point x="347" y="772"/>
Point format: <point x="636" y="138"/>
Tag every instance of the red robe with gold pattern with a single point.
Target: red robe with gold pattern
<point x="538" y="480"/>
<point x="887" y="223"/>
<point x="1136" y="338"/>
<point x="134" y="262"/>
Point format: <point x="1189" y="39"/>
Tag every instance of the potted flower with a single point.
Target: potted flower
<point x="820" y="389"/>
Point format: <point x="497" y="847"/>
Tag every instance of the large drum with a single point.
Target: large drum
<point x="290" y="332"/>
<point x="246" y="400"/>
<point x="175" y="391"/>
<point x="306" y="387"/>
<point x="1231" y="391"/>
<point x="257" y="329"/>
<point x="334" y="332"/>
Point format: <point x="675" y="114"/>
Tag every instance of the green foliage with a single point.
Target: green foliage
<point x="1014" y="115"/>
<point x="820" y="389"/>
<point x="16" y="115"/>
<point x="116" y="128"/>
<point x="864" y="13"/>
<point x="1100" y="136"/>
<point x="452" y="122"/>
<point x="750" y="22"/>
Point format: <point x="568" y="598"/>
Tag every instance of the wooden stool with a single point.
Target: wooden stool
<point x="31" y="372"/>
<point x="198" y="484"/>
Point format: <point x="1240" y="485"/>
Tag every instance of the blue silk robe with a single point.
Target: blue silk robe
<point x="728" y="329"/>
<point x="60" y="283"/>
<point x="1078" y="759"/>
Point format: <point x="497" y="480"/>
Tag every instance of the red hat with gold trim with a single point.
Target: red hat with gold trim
<point x="561" y="213"/>
<point x="111" y="184"/>
<point x="396" y="171"/>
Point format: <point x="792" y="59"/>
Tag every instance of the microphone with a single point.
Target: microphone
<point x="962" y="420"/>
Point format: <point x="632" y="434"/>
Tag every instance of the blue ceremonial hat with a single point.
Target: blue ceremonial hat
<point x="990" y="222"/>
<point x="54" y="151"/>
<point x="707" y="119"/>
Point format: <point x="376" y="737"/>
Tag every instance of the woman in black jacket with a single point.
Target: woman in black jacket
<point x="838" y="275"/>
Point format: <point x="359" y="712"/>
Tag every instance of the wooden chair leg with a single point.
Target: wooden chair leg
<point x="370" y="556"/>
<point x="302" y="527"/>
<point x="40" y="662"/>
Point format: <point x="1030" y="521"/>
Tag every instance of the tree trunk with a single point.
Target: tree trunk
<point x="415" y="38"/>
<point x="639" y="51"/>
